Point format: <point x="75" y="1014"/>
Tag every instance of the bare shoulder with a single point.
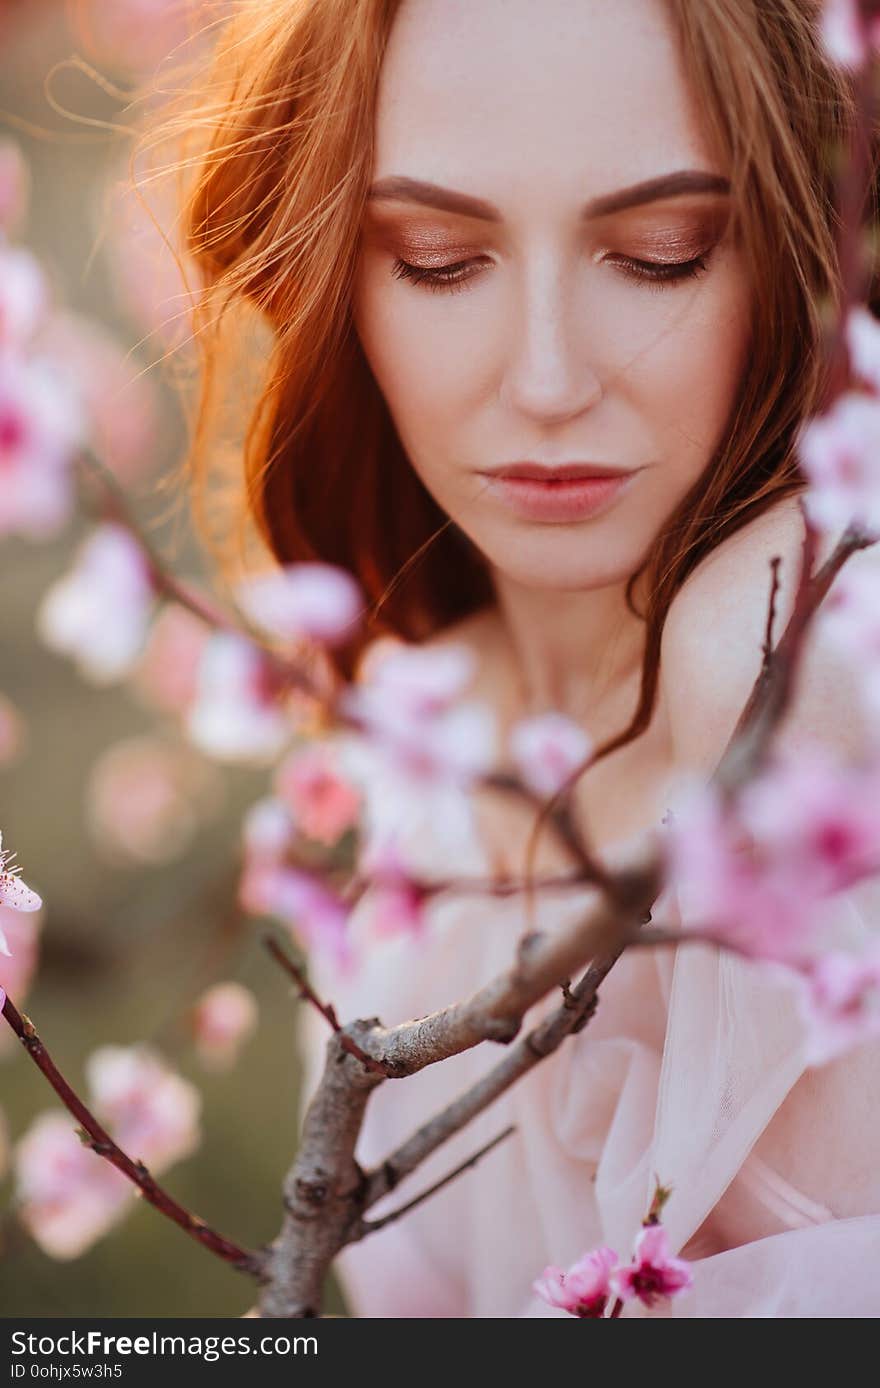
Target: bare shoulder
<point x="711" y="649"/>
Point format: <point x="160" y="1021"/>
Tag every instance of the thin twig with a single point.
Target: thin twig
<point x="103" y="1145"/>
<point x="372" y="1225"/>
<point x="326" y="1009"/>
<point x="771" y="610"/>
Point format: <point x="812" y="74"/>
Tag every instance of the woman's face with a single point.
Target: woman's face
<point x="510" y="295"/>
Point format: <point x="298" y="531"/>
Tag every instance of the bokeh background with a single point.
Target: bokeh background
<point x="126" y="945"/>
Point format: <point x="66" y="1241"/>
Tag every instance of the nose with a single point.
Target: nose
<point x="548" y="375"/>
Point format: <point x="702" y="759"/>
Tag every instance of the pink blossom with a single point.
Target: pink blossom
<point x="323" y="804"/>
<point x="397" y="901"/>
<point x="236" y="715"/>
<point x="12" y="731"/>
<point x="99" y="613"/>
<point x="145" y="799"/>
<point x="223" y="1019"/>
<point x="584" y="1289"/>
<point x="840" y="453"/>
<point x="653" y="1272"/>
<point x="757" y="873"/>
<point x="317" y="602"/>
<point x="24" y="297"/>
<point x="546" y="749"/>
<point x="18" y="966"/>
<point x="13" y="185"/>
<point x="411" y="681"/>
<point x="13" y="893"/>
<point x="149" y="1110"/>
<point x="41" y="427"/>
<point x="133" y="34"/>
<point x="840" y="1002"/>
<point x="850" y="618"/>
<point x="118" y="395"/>
<point x="268" y="831"/>
<point x="843" y="33"/>
<point x="68" y="1196"/>
<point x="315" y="915"/>
<point x="167" y="674"/>
<point x="863" y="343"/>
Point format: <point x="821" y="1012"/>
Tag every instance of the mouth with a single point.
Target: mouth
<point x="562" y="493"/>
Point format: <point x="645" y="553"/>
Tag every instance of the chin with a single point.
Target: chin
<point x="551" y="563"/>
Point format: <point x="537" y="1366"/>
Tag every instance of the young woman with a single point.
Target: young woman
<point x="545" y="284"/>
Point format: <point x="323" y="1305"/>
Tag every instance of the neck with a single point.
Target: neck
<point x="579" y="653"/>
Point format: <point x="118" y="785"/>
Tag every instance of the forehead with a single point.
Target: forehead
<point x="524" y="100"/>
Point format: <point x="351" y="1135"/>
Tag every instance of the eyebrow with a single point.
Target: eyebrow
<point x="398" y="188"/>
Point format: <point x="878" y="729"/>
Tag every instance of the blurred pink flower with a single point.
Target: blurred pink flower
<point x="843" y="34"/>
<point x="311" y="601"/>
<point x="324" y="805"/>
<point x="99" y="613"/>
<point x="67" y="1195"/>
<point x="850" y="616"/>
<point x="840" y="453"/>
<point x="167" y="673"/>
<point x="146" y="267"/>
<point x="13" y="185"/>
<point x="223" y="1019"/>
<point x="316" y="917"/>
<point x="149" y="1110"/>
<point x="397" y="680"/>
<point x="840" y="1002"/>
<point x="584" y="1289"/>
<point x="145" y="799"/>
<point x="13" y="734"/>
<point x="396" y="900"/>
<point x="24" y="297"/>
<point x="546" y="749"/>
<point x="41" y="427"/>
<point x="119" y="396"/>
<point x="268" y="831"/>
<point x="18" y="964"/>
<point x="863" y="344"/>
<point x="13" y="893"/>
<point x="236" y="715"/>
<point x="653" y="1272"/>
<point x="135" y="35"/>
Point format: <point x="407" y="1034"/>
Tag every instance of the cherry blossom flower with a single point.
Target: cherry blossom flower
<point x="99" y="613"/>
<point x="13" y="893"/>
<point x="316" y="917"/>
<point x="840" y="453"/>
<point x="268" y="831"/>
<point x="223" y="1019"/>
<point x="13" y="185"/>
<point x="24" y="297"/>
<point x="323" y="804"/>
<point x="843" y="33"/>
<point x="584" y="1289"/>
<point x="840" y="1002"/>
<point x="546" y="749"/>
<point x="850" y="618"/>
<point x="420" y="751"/>
<point x="145" y="799"/>
<point x="396" y="901"/>
<point x="17" y="967"/>
<point x="863" y="344"/>
<point x="167" y="674"/>
<point x="42" y="424"/>
<point x="236" y="715"/>
<point x="67" y="1196"/>
<point x="653" y="1272"/>
<point x="147" y="1108"/>
<point x="758" y="873"/>
<point x="317" y="602"/>
<point x="118" y="396"/>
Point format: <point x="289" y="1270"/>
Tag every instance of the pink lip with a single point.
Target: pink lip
<point x="569" y="492"/>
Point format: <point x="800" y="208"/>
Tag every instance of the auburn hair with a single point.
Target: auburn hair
<point x="276" y="175"/>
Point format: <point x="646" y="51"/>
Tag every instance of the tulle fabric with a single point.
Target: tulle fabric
<point x="692" y="1072"/>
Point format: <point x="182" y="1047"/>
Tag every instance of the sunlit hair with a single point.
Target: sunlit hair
<point x="277" y="169"/>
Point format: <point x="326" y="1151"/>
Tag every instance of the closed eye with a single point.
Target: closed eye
<point x="449" y="278"/>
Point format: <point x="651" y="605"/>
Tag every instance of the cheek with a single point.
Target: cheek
<point x="426" y="363"/>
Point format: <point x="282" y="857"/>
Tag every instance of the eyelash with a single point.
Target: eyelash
<point x="656" y="274"/>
